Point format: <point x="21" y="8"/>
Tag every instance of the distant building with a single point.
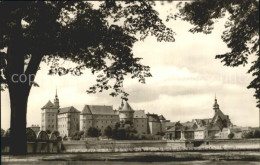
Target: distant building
<point x="140" y="122"/>
<point x="163" y="123"/>
<point x="223" y="134"/>
<point x="49" y="115"/>
<point x="126" y="112"/>
<point x="68" y="121"/>
<point x="216" y="127"/>
<point x="35" y="128"/>
<point x="154" y="124"/>
<point x="98" y="116"/>
<point x="201" y="133"/>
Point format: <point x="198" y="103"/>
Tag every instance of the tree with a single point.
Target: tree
<point x="2" y="132"/>
<point x="100" y="39"/>
<point x="48" y="131"/>
<point x="108" y="132"/>
<point x="93" y="132"/>
<point x="241" y="30"/>
<point x="56" y="133"/>
<point x="77" y="135"/>
<point x="231" y="135"/>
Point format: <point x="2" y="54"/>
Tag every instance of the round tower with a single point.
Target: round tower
<point x="126" y="112"/>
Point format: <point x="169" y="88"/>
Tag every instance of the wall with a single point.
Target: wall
<point x="38" y="147"/>
<point x="159" y="145"/>
<point x="140" y="124"/>
<point x="122" y="146"/>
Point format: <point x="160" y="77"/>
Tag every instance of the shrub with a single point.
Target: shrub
<point x="2" y="132"/>
<point x="231" y="135"/>
<point x="93" y="132"/>
<point x="108" y="132"/>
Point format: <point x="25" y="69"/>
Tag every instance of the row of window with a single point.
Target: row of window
<point x="65" y="119"/>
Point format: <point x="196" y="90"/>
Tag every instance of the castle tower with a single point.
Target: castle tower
<point x="49" y="115"/>
<point x="216" y="106"/>
<point x="126" y="112"/>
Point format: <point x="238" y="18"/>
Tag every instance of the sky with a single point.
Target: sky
<point x="186" y="77"/>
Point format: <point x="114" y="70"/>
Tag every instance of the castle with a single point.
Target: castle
<point x="68" y="120"/>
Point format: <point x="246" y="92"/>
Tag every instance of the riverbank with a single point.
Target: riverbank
<point x="161" y="145"/>
<point x="144" y="157"/>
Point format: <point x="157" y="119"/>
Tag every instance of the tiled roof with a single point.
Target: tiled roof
<point x="153" y="118"/>
<point x="221" y="115"/>
<point x="201" y="129"/>
<point x="49" y="105"/>
<point x="188" y="124"/>
<point x="139" y="114"/>
<point x="70" y="109"/>
<point x="170" y="124"/>
<point x="126" y="107"/>
<point x="171" y="129"/>
<point x="203" y="122"/>
<point x="213" y="128"/>
<point x="161" y="117"/>
<point x="98" y="110"/>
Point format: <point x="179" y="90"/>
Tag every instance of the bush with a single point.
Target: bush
<point x="2" y="132"/>
<point x="93" y="132"/>
<point x="251" y="134"/>
<point x="231" y="135"/>
<point x="256" y="134"/>
<point x="108" y="132"/>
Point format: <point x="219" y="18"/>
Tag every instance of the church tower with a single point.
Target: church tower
<point x="56" y="100"/>
<point x="216" y="106"/>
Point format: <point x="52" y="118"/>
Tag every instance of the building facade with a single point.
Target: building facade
<point x="140" y="122"/>
<point x="154" y="124"/>
<point x="49" y="115"/>
<point x="68" y="121"/>
<point x="98" y="116"/>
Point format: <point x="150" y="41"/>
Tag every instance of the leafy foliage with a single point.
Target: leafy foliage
<point x="2" y="132"/>
<point x="93" y="132"/>
<point x="241" y="30"/>
<point x="251" y="134"/>
<point x="100" y="39"/>
<point x="108" y="131"/>
<point x="77" y="135"/>
<point x="124" y="131"/>
<point x="231" y="135"/>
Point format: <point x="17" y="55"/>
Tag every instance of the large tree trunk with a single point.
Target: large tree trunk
<point x="19" y="89"/>
<point x="18" y="101"/>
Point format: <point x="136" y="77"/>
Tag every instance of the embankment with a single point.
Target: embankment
<point x="160" y="145"/>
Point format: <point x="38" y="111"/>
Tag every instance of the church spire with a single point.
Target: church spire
<point x="56" y="100"/>
<point x="56" y="93"/>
